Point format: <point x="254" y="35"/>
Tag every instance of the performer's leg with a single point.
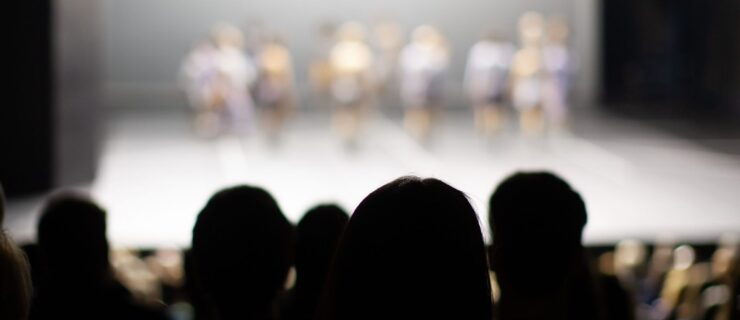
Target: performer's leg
<point x="346" y="123"/>
<point x="491" y="120"/>
<point x="479" y="113"/>
<point x="206" y="123"/>
<point x="418" y="122"/>
<point x="531" y="121"/>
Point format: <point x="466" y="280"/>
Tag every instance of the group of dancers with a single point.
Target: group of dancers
<point x="228" y="76"/>
<point x="353" y="68"/>
<point x="534" y="78"/>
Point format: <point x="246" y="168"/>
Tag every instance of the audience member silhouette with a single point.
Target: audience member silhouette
<point x="618" y="300"/>
<point x="79" y="283"/>
<point x="317" y="237"/>
<point x="15" y="277"/>
<point x="15" y="280"/>
<point x="413" y="249"/>
<point x="242" y="252"/>
<point x="35" y="262"/>
<point x="202" y="309"/>
<point x="536" y="221"/>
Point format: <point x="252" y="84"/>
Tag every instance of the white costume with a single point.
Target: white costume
<point x="487" y="71"/>
<point x="217" y="76"/>
<point x="198" y="74"/>
<point x="527" y="91"/>
<point x="423" y="67"/>
<point x="236" y="73"/>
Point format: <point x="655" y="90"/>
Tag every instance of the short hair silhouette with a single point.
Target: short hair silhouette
<point x="317" y="237"/>
<point x="72" y="237"/>
<point x="15" y="281"/>
<point x="413" y="249"/>
<point x="242" y="252"/>
<point x="537" y="220"/>
<point x="78" y="282"/>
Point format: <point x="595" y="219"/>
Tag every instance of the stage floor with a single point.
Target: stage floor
<point x="155" y="174"/>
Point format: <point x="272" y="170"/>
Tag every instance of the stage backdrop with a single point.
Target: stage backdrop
<point x="145" y="39"/>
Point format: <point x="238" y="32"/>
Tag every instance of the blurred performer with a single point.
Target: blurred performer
<point x="527" y="74"/>
<point x="197" y="77"/>
<point x="274" y="90"/>
<point x="351" y="86"/>
<point x="424" y="63"/>
<point x="389" y="40"/>
<point x="489" y="61"/>
<point x="320" y="72"/>
<point x="557" y="67"/>
<point x="236" y="73"/>
<point x="217" y="79"/>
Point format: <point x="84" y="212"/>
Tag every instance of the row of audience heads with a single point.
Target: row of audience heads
<point x="411" y="244"/>
<point x="413" y="248"/>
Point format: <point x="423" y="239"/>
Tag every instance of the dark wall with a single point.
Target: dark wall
<point x="49" y="117"/>
<point x="26" y="124"/>
<point x="679" y="53"/>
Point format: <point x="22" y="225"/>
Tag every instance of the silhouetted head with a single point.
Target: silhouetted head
<point x="15" y="281"/>
<point x="413" y="249"/>
<point x="72" y="237"/>
<point x="242" y="251"/>
<point x="536" y="221"/>
<point x="317" y="236"/>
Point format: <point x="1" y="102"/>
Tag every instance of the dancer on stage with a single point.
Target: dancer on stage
<point x="486" y="77"/>
<point x="274" y="92"/>
<point x="217" y="78"/>
<point x="352" y="85"/>
<point x="527" y="74"/>
<point x="197" y="78"/>
<point x="424" y="63"/>
<point x="557" y="69"/>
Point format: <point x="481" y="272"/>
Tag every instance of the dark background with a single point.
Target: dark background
<point x="671" y="55"/>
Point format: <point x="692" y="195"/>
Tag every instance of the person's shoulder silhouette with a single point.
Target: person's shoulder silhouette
<point x="317" y="236"/>
<point x="78" y="281"/>
<point x="15" y="281"/>
<point x="537" y="220"/>
<point x="241" y="252"/>
<point x="413" y="249"/>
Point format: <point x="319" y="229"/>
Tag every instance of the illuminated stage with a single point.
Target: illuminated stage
<point x="155" y="174"/>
